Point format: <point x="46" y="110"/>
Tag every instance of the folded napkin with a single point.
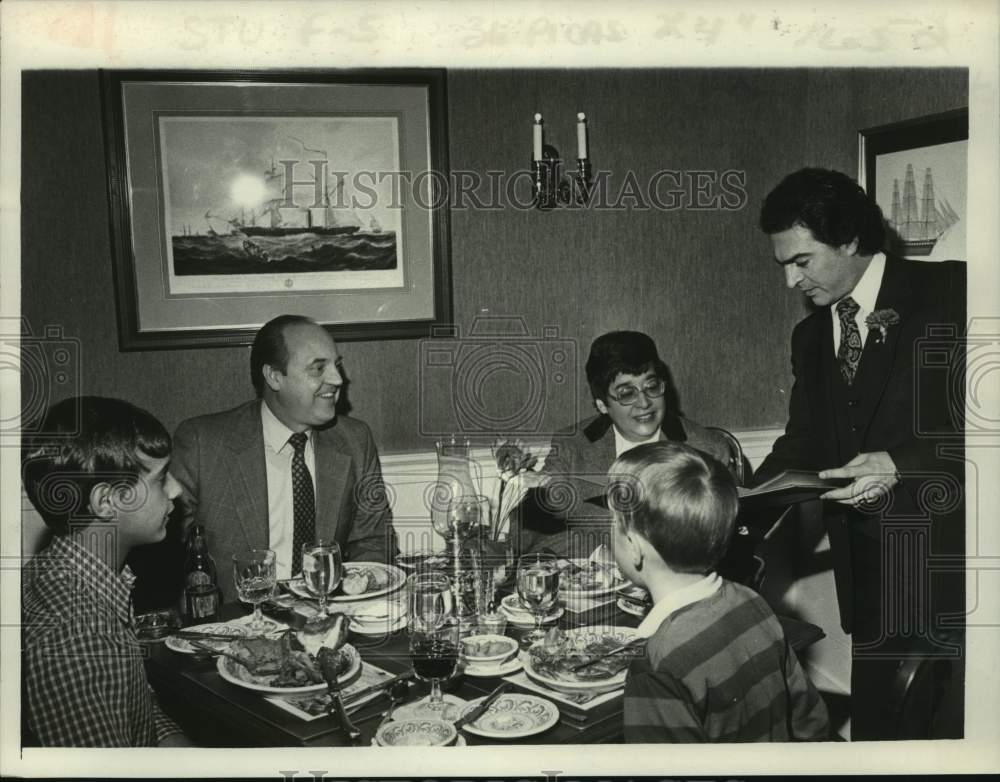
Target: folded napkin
<point x="578" y="604"/>
<point x="313" y="705"/>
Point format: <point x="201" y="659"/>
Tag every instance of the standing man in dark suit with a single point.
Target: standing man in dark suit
<point x="284" y="469"/>
<point x="867" y="407"/>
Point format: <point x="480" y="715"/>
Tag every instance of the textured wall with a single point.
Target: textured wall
<point x="701" y="282"/>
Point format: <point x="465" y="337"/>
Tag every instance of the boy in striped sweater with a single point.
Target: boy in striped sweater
<point x="717" y="666"/>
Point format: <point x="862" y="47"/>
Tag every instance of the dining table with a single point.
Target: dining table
<point x="215" y="712"/>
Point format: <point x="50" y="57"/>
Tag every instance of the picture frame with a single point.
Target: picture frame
<point x="237" y="196"/>
<point x="918" y="172"/>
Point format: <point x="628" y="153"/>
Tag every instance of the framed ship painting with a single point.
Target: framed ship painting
<point x="236" y="197"/>
<point x="917" y="171"/>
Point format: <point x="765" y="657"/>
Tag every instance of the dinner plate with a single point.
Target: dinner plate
<point x="493" y="670"/>
<point x="580" y="637"/>
<point x="378" y="627"/>
<point x="513" y="716"/>
<point x="222" y="628"/>
<point x="230" y="670"/>
<point x="568" y="591"/>
<point x="631" y="608"/>
<point x="418" y="708"/>
<point x="396" y="578"/>
<point x="520" y="616"/>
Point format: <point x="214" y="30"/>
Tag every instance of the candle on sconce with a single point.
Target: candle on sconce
<point x="536" y="138"/>
<point x="581" y="136"/>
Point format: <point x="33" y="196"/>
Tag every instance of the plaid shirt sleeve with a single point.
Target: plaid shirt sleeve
<point x="89" y="690"/>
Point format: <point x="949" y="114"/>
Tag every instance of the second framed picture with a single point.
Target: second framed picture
<point x="236" y="197"/>
<point x="917" y="170"/>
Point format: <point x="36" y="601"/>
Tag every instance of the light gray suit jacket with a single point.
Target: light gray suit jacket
<point x="219" y="461"/>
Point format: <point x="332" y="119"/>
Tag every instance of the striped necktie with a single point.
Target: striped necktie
<point x="303" y="501"/>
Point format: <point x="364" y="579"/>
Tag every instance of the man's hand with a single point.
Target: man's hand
<point x="874" y="475"/>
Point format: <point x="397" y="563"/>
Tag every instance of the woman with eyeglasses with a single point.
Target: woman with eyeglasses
<point x="631" y="391"/>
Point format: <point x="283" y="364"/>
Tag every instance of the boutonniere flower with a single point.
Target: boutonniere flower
<point x="882" y="320"/>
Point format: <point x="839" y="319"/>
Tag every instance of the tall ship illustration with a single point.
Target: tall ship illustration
<point x="324" y="220"/>
<point x="919" y="223"/>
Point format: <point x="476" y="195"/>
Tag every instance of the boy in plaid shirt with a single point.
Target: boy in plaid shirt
<point x="717" y="666"/>
<point x="98" y="475"/>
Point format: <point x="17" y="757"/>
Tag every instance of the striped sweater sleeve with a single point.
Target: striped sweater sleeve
<point x="809" y="720"/>
<point x="658" y="708"/>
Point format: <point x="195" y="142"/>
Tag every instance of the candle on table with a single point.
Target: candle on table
<point x="581" y="136"/>
<point x="536" y="138"/>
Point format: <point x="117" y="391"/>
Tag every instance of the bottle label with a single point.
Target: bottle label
<point x="203" y="602"/>
<point x="198" y="578"/>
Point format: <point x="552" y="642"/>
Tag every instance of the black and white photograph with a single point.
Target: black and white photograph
<point x="536" y="392"/>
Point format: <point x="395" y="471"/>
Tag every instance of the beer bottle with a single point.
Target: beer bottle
<point x="201" y="587"/>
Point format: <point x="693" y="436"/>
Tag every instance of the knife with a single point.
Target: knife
<point x="482" y="708"/>
<point x="634" y="643"/>
<point x="353" y="697"/>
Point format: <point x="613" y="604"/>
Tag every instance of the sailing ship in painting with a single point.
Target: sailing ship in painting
<point x="919" y="224"/>
<point x="281" y="236"/>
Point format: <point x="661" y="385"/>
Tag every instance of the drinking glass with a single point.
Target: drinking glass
<point x="322" y="570"/>
<point x="434" y="638"/>
<point x="465" y="513"/>
<point x="255" y="577"/>
<point x="431" y="603"/>
<point x="538" y="588"/>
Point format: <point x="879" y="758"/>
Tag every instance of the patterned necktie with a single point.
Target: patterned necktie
<point x="303" y="501"/>
<point x="849" y="353"/>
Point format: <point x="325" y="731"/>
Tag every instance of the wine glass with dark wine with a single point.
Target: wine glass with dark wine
<point x="538" y="588"/>
<point x="434" y="638"/>
<point x="255" y="576"/>
<point x="322" y="570"/>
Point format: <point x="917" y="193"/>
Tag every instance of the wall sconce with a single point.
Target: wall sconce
<point x="552" y="189"/>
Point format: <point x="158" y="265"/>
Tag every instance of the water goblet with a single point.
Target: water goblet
<point x="322" y="570"/>
<point x="255" y="577"/>
<point x="538" y="588"/>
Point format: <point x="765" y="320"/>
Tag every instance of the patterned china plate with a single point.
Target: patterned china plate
<point x="221" y="628"/>
<point x="233" y="672"/>
<point x="416" y="733"/>
<point x="394" y="576"/>
<point x="631" y="608"/>
<point x="579" y="637"/>
<point x="513" y="716"/>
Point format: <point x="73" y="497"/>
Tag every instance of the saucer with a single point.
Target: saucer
<point x="418" y="709"/>
<point x="494" y="670"/>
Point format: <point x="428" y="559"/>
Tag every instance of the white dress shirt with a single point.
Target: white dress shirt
<point x="622" y="445"/>
<point x="865" y="293"/>
<point x="692" y="593"/>
<point x="278" y="454"/>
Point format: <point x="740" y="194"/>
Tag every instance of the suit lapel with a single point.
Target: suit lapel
<point x="248" y="482"/>
<point x="333" y="469"/>
<point x="879" y="355"/>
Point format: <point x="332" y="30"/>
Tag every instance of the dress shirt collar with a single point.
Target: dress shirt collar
<point x="622" y="445"/>
<point x="276" y="434"/>
<point x="865" y="293"/>
<point x="692" y="593"/>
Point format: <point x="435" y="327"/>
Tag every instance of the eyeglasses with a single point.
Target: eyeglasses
<point x="629" y="395"/>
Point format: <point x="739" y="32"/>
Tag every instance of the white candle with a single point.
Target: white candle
<point x="536" y="138"/>
<point x="581" y="136"/>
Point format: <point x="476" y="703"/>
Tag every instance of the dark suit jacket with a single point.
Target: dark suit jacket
<point x="577" y="468"/>
<point x="219" y="461"/>
<point x="906" y="399"/>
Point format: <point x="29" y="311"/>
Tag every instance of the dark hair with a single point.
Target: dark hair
<point x="81" y="442"/>
<point x="683" y="501"/>
<point x="269" y="347"/>
<point x="621" y="353"/>
<point x="830" y="204"/>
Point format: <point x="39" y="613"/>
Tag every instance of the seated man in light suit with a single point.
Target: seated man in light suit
<point x="284" y="469"/>
<point x="628" y="382"/>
